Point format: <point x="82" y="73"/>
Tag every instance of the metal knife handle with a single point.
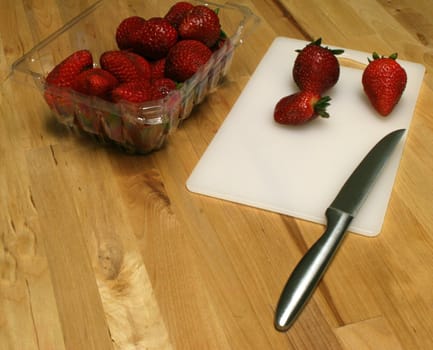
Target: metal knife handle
<point x="307" y="274"/>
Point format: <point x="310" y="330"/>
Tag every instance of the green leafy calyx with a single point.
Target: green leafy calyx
<point x="376" y="56"/>
<point x="318" y="42"/>
<point x="321" y="105"/>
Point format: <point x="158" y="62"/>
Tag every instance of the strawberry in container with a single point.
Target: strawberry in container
<point x="134" y="88"/>
<point x="60" y="79"/>
<point x="95" y="82"/>
<point x="135" y="99"/>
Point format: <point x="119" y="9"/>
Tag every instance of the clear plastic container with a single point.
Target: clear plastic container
<point x="137" y="128"/>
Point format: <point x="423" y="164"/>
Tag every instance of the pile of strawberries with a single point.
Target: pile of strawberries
<point x="154" y="56"/>
<point x="316" y="70"/>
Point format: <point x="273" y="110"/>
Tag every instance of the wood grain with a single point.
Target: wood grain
<point x="104" y="250"/>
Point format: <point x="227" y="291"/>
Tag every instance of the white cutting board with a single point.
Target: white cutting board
<point x="298" y="171"/>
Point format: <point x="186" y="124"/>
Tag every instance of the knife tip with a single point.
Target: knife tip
<point x="280" y="327"/>
<point x="399" y="132"/>
<point x="282" y="321"/>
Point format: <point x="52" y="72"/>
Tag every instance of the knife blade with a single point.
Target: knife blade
<point x="310" y="269"/>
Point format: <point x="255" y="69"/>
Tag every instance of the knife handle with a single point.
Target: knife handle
<point x="310" y="269"/>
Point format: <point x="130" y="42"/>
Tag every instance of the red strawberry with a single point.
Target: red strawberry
<point x="316" y="68"/>
<point x="60" y="101"/>
<point x="220" y="41"/>
<point x="62" y="76"/>
<point x="95" y="82"/>
<point x="66" y="71"/>
<point x="301" y="107"/>
<point x="125" y="66"/>
<point x="127" y="32"/>
<point x="201" y="23"/>
<point x="132" y="91"/>
<point x="185" y="58"/>
<point x="161" y="87"/>
<point x="157" y="68"/>
<point x="176" y="13"/>
<point x="384" y="81"/>
<point x="157" y="36"/>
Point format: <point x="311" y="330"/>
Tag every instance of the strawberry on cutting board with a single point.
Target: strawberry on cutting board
<point x="384" y="81"/>
<point x="316" y="68"/>
<point x="300" y="108"/>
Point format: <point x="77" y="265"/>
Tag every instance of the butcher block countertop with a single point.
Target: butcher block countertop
<point x="100" y="249"/>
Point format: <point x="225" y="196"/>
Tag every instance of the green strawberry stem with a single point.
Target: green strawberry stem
<point x="321" y="105"/>
<point x="223" y="35"/>
<point x="376" y="56"/>
<point x="318" y="42"/>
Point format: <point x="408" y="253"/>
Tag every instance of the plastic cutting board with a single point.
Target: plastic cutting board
<point x="298" y="171"/>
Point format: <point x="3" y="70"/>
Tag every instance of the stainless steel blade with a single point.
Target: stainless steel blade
<point x="357" y="186"/>
<point x="307" y="274"/>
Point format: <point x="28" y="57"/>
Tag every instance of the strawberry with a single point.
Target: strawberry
<point x="200" y="23"/>
<point x="384" y="81"/>
<point x="157" y="68"/>
<point x="62" y="76"/>
<point x="220" y="41"/>
<point x="125" y="66"/>
<point x="127" y="33"/>
<point x="95" y="82"/>
<point x="176" y="13"/>
<point x="132" y="91"/>
<point x="66" y="71"/>
<point x="301" y="107"/>
<point x="316" y="68"/>
<point x="161" y="87"/>
<point x="142" y="91"/>
<point x="185" y="58"/>
<point x="157" y="36"/>
<point x="60" y="101"/>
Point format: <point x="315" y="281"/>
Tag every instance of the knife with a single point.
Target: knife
<point x="307" y="274"/>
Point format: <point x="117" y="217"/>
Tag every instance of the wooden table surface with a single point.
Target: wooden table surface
<point x="103" y="250"/>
